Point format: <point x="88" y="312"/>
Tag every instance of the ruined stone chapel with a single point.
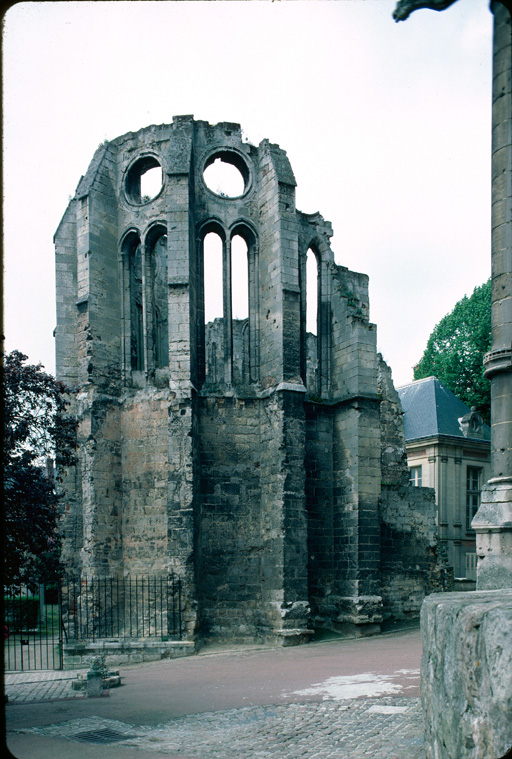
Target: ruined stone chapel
<point x="259" y="458"/>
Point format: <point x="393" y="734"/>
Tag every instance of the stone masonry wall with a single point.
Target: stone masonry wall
<point x="144" y="483"/>
<point x="412" y="564"/>
<point x="412" y="561"/>
<point x="356" y="451"/>
<point x="252" y="579"/>
<point x="100" y="484"/>
<point x="322" y="535"/>
<point x="231" y="546"/>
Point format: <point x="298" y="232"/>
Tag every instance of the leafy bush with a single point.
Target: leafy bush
<point x="21" y="613"/>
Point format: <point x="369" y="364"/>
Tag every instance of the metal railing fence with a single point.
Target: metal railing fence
<point x="33" y="627"/>
<point x="122" y="607"/>
<point x="40" y="618"/>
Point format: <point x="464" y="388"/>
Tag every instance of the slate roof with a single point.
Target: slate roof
<point x="431" y="410"/>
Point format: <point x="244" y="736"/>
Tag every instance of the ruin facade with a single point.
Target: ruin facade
<point x="259" y="459"/>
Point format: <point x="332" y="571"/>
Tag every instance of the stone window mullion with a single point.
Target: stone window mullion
<point x="146" y="306"/>
<point x="200" y="315"/>
<point x="253" y="312"/>
<point x="227" y="308"/>
<point x="324" y="331"/>
<point x="312" y="315"/>
<point x="303" y="316"/>
<point x="124" y="261"/>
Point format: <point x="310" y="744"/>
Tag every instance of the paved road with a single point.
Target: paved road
<point x="342" y="699"/>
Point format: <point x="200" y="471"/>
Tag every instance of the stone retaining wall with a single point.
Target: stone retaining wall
<point x="117" y="653"/>
<point x="466" y="674"/>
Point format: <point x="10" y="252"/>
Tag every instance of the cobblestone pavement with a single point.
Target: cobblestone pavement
<point x="380" y="728"/>
<point x="338" y="700"/>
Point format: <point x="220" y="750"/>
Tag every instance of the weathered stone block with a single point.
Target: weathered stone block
<point x="466" y="680"/>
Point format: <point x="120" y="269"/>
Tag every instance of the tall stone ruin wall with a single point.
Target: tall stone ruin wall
<point x="265" y="472"/>
<point x="413" y="563"/>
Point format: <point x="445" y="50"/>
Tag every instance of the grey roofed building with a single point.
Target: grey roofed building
<point x="430" y="409"/>
<point x="448" y="449"/>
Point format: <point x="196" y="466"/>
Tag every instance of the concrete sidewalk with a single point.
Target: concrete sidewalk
<point x="47" y="685"/>
<point x="343" y="699"/>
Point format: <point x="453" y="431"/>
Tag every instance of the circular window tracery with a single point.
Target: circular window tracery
<point x="144" y="180"/>
<point x="226" y="174"/>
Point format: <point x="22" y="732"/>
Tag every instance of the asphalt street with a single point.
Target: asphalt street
<point x="334" y="699"/>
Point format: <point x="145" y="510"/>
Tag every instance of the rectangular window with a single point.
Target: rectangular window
<point x="415" y="476"/>
<point x="473" y="488"/>
<point x="471" y="562"/>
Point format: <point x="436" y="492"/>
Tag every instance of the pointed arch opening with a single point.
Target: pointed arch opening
<point x="214" y="303"/>
<point x="145" y="303"/>
<point x="135" y="313"/>
<point x="312" y="292"/>
<point x="239" y="277"/>
<point x="158" y="329"/>
<point x="245" y="299"/>
<point x="240" y="307"/>
<point x="213" y="276"/>
<point x="311" y="331"/>
<point x="228" y="329"/>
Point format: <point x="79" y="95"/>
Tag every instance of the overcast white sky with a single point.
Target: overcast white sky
<point x="387" y="127"/>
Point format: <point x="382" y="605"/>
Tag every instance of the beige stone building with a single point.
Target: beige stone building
<point x="448" y="449"/>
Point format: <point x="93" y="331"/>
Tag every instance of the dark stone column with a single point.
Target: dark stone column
<point x="463" y="631"/>
<point x="493" y="521"/>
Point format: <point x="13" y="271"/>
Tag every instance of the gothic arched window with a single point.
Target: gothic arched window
<point x="229" y="285"/>
<point x="145" y="309"/>
<point x="312" y="333"/>
<point x="156" y="246"/>
<point x="136" y="313"/>
<point x="314" y="322"/>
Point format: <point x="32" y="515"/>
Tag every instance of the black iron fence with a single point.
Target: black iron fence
<point x="33" y="627"/>
<point x="126" y="607"/>
<point x="39" y="619"/>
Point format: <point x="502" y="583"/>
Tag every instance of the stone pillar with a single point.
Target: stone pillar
<point x="493" y="521"/>
<point x="184" y="315"/>
<point x="465" y="673"/>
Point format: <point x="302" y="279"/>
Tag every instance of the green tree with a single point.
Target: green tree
<point x="37" y="430"/>
<point x="456" y="348"/>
